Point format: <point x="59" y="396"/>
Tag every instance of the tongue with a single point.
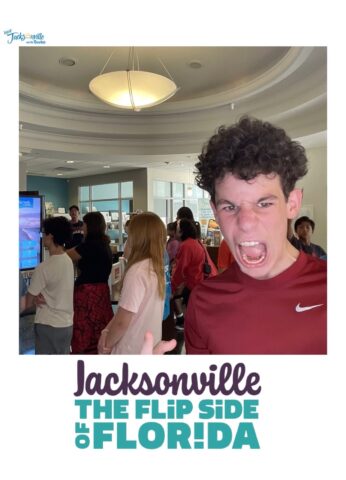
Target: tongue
<point x="253" y="253"/>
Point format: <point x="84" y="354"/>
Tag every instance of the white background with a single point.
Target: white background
<point x="302" y="413"/>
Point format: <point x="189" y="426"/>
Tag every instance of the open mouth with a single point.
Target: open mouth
<point x="252" y="253"/>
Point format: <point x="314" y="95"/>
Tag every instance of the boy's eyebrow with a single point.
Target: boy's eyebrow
<point x="222" y="201"/>
<point x="268" y="197"/>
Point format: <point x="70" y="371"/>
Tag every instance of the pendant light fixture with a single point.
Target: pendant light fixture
<point x="132" y="89"/>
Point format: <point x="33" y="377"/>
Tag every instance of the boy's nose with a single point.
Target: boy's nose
<point x="246" y="217"/>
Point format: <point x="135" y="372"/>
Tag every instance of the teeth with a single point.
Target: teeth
<point x="248" y="244"/>
<point x="253" y="261"/>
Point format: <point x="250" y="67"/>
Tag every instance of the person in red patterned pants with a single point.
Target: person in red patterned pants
<point x="91" y="302"/>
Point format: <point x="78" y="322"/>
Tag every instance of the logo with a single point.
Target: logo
<point x="28" y="38"/>
<point x="309" y="307"/>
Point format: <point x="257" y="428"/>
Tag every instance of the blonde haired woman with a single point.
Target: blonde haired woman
<point x="143" y="291"/>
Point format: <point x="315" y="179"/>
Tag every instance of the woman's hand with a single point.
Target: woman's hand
<point x="159" y="349"/>
<point x="101" y="346"/>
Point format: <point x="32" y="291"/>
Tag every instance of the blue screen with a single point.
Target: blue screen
<point x="29" y="232"/>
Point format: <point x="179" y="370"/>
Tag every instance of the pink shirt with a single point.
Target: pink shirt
<point x="140" y="296"/>
<point x="172" y="248"/>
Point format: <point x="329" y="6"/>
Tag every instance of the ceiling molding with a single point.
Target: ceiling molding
<point x="291" y="93"/>
<point x="58" y="97"/>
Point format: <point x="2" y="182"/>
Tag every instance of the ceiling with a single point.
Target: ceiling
<point x="65" y="130"/>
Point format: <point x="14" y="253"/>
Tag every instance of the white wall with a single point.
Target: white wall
<point x="165" y="175"/>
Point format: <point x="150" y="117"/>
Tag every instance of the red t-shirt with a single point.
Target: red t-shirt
<point x="224" y="256"/>
<point x="234" y="313"/>
<point x="189" y="262"/>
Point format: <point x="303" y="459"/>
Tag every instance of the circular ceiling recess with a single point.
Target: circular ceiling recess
<point x="195" y="64"/>
<point x="67" y="62"/>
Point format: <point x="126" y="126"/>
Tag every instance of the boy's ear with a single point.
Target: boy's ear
<point x="294" y="202"/>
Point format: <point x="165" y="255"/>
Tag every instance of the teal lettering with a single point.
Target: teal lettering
<point x="233" y="409"/>
<point x="227" y="409"/>
<point x="155" y="410"/>
<point x="122" y="441"/>
<point x="144" y="432"/>
<point x="178" y="434"/>
<point x="219" y="435"/>
<point x="99" y="433"/>
<point x="142" y="408"/>
<point x="250" y="408"/>
<point x="102" y="409"/>
<point x="206" y="409"/>
<point x="184" y="407"/>
<point x="245" y="435"/>
<point x="83" y="407"/>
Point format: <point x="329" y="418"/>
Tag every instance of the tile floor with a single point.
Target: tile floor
<point x="27" y="342"/>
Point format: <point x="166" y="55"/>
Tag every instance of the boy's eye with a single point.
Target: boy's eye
<point x="264" y="204"/>
<point x="229" y="208"/>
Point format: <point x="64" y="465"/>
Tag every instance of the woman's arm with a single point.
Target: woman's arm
<point x="29" y="300"/>
<point x="73" y="254"/>
<point x="115" y="330"/>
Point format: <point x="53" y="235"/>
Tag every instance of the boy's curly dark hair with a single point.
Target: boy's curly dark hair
<point x="247" y="149"/>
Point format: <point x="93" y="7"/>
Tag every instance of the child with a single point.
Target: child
<point x="53" y="282"/>
<point x="143" y="292"/>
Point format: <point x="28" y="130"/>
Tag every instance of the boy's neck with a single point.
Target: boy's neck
<point x="56" y="250"/>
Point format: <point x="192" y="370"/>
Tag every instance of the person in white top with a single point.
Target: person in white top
<point x="51" y="288"/>
<point x="143" y="290"/>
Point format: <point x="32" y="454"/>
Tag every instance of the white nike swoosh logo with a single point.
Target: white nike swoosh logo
<point x="310" y="307"/>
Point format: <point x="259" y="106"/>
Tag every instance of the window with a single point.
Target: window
<point x="162" y="189"/>
<point x="109" y="190"/>
<point x="170" y="196"/>
<point x="114" y="201"/>
<point x="162" y="208"/>
<point x="178" y="190"/>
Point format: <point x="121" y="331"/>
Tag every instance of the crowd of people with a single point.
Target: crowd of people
<point x="266" y="295"/>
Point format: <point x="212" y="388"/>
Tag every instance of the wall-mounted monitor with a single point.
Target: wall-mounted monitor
<point x="30" y="228"/>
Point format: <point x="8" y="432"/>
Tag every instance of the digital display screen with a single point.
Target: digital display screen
<point x="29" y="232"/>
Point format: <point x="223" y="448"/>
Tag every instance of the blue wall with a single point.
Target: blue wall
<point x="54" y="189"/>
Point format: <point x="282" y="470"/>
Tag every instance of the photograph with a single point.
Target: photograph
<point x="140" y="136"/>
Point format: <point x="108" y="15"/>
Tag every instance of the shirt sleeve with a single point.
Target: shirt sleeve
<point x="194" y="343"/>
<point x="38" y="281"/>
<point x="181" y="261"/>
<point x="82" y="249"/>
<point x="320" y="252"/>
<point x="134" y="288"/>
